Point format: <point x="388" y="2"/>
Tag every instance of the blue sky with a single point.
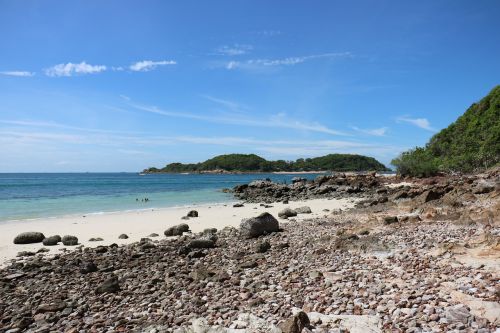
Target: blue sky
<point x="124" y="85"/>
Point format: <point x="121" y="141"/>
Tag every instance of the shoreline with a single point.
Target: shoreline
<point x="140" y="224"/>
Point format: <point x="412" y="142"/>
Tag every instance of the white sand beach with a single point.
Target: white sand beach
<point x="139" y="224"/>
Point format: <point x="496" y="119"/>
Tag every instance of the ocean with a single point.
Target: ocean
<point x="41" y="195"/>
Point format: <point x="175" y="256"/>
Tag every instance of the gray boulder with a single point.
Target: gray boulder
<point x="256" y="226"/>
<point x="287" y="212"/>
<point x="52" y="240"/>
<point x="29" y="238"/>
<point x="69" y="240"/>
<point x="111" y="285"/>
<point x="303" y="210"/>
<point x="123" y="236"/>
<point x="484" y="186"/>
<point x="177" y="230"/>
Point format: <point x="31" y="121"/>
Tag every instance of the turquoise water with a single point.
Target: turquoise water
<point x="30" y="195"/>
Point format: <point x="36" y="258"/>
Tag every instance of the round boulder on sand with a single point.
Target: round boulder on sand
<point x="52" y="240"/>
<point x="29" y="238"/>
<point x="70" y="240"/>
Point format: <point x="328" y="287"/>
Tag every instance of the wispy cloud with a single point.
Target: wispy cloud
<point x="374" y="131"/>
<point x="289" y="61"/>
<point x="233" y="106"/>
<point x="148" y="65"/>
<point x="234" y="50"/>
<point x="18" y="73"/>
<point x="419" y="122"/>
<point x="279" y="120"/>
<point x="268" y="33"/>
<point x="70" y="69"/>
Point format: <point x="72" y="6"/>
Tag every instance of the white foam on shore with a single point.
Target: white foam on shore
<point x="140" y="223"/>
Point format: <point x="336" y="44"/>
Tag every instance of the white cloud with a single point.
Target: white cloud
<point x="234" y="50"/>
<point x="289" y="61"/>
<point x="70" y="69"/>
<point x="148" y="65"/>
<point x="18" y="73"/>
<point x="374" y="131"/>
<point x="419" y="122"/>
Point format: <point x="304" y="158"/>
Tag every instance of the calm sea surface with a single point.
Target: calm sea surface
<point x="36" y="195"/>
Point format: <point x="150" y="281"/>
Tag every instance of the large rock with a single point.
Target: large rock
<point x="261" y="225"/>
<point x="123" y="236"/>
<point x="111" y="285"/>
<point x="177" y="230"/>
<point x="287" y="212"/>
<point x="457" y="313"/>
<point x="430" y="195"/>
<point x="52" y="240"/>
<point x="29" y="238"/>
<point x="69" y="240"/>
<point x="484" y="186"/>
<point x="296" y="323"/>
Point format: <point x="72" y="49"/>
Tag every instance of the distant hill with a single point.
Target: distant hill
<point x="471" y="143"/>
<point x="254" y="163"/>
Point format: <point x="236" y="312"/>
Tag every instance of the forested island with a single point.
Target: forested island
<point x="255" y="163"/>
<point x="471" y="143"/>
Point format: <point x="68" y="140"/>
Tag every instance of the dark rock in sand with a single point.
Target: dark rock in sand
<point x="390" y="219"/>
<point x="192" y="213"/>
<point x="201" y="244"/>
<point x="69" y="240"/>
<point x="287" y="212"/>
<point x="153" y="235"/>
<point x="52" y="240"/>
<point x="303" y="210"/>
<point x="123" y="236"/>
<point x="97" y="239"/>
<point x="88" y="267"/>
<point x="29" y="238"/>
<point x="111" y="285"/>
<point x="236" y="205"/>
<point x="263" y="224"/>
<point x="262" y="247"/>
<point x="177" y="230"/>
<point x="25" y="254"/>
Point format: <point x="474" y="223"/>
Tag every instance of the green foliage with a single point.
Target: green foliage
<point x="254" y="163"/>
<point x="417" y="162"/>
<point x="472" y="142"/>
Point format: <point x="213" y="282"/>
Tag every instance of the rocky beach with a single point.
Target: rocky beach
<point x="411" y="255"/>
